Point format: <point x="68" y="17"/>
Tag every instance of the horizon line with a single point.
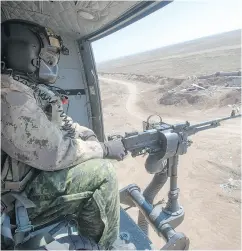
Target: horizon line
<point x="185" y="41"/>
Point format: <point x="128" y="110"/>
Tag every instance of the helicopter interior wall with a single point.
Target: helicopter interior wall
<point x="72" y="79"/>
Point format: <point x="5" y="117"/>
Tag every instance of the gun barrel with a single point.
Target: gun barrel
<point x="214" y="122"/>
<point x="230" y="117"/>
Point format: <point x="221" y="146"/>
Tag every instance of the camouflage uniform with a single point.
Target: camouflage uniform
<point x="74" y="178"/>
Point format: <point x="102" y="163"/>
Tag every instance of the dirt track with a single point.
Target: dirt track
<point x="132" y="97"/>
<point x="212" y="203"/>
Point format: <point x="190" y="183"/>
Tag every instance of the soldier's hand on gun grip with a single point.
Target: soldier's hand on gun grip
<point x="113" y="150"/>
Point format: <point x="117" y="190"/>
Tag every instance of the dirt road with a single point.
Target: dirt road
<point x="209" y="174"/>
<point x="130" y="104"/>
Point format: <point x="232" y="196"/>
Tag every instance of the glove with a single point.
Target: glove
<point x="113" y="150"/>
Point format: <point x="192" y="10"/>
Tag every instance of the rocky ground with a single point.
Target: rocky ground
<point x="191" y="92"/>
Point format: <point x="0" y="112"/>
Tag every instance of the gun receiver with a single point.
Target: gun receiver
<point x="165" y="139"/>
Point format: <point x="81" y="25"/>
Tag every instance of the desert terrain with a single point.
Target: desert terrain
<point x="197" y="57"/>
<point x="169" y="82"/>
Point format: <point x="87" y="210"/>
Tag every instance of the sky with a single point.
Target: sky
<point x="177" y="22"/>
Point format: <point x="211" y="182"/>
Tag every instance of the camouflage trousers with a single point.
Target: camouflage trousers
<point x="88" y="190"/>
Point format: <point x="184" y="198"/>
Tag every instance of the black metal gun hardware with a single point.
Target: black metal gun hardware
<point x="163" y="143"/>
<point x="149" y="125"/>
<point x="160" y="221"/>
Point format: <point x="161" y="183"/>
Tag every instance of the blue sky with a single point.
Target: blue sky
<point x="177" y="22"/>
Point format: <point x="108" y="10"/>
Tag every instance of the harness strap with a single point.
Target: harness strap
<point x="8" y="199"/>
<point x="5" y="168"/>
<point x="17" y="185"/>
<point x="36" y="242"/>
<point x="22" y="219"/>
<point x="6" y="228"/>
<point x="15" y="170"/>
<point x="7" y="203"/>
<point x="27" y="203"/>
<point x="6" y="231"/>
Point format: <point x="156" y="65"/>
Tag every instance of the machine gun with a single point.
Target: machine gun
<point x="165" y="139"/>
<point x="163" y="143"/>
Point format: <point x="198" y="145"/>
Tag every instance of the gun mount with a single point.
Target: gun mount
<point x="163" y="143"/>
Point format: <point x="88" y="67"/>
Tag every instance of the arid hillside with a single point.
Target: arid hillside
<point x="201" y="56"/>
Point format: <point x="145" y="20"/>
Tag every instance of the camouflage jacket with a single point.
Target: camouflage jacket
<point x="29" y="136"/>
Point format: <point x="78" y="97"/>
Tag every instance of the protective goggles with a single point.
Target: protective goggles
<point x="51" y="50"/>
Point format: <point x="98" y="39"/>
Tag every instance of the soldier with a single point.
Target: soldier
<point x="61" y="169"/>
